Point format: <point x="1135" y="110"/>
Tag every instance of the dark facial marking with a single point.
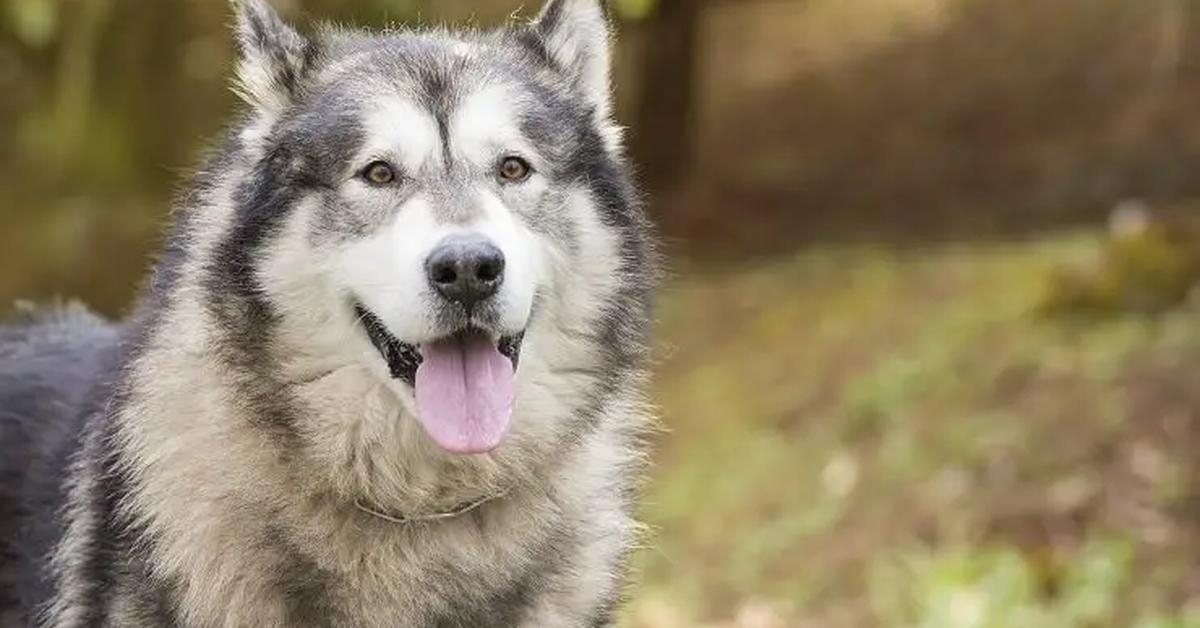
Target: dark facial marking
<point x="244" y="315"/>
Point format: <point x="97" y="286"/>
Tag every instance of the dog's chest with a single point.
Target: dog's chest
<point x="471" y="572"/>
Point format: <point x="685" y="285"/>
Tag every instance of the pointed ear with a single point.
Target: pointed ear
<point x="273" y="59"/>
<point x="575" y="34"/>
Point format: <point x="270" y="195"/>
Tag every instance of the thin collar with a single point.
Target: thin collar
<point x="430" y="517"/>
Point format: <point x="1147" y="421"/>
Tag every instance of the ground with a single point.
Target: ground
<point x="862" y="435"/>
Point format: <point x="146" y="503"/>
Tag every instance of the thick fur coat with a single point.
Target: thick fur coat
<point x="244" y="450"/>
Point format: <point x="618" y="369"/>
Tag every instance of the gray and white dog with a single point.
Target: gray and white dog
<point x="389" y="370"/>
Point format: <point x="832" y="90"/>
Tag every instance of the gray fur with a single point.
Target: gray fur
<point x="204" y="465"/>
<point x="48" y="365"/>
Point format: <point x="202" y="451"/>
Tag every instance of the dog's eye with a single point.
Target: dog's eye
<point x="515" y="169"/>
<point x="379" y="173"/>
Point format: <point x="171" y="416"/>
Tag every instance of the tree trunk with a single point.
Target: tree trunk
<point x="663" y="122"/>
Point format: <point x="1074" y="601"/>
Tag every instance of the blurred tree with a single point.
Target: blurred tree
<point x="662" y="125"/>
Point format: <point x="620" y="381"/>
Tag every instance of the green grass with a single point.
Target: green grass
<point x="866" y="436"/>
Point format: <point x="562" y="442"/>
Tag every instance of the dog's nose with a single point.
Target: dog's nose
<point x="465" y="270"/>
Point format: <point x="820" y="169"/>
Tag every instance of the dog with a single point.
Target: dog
<point x="389" y="368"/>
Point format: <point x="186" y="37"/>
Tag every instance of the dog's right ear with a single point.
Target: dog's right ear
<point x="273" y="59"/>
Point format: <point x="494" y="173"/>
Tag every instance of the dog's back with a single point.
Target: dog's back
<point x="48" y="367"/>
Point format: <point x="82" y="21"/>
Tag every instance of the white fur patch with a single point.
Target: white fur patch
<point x="258" y="85"/>
<point x="400" y="131"/>
<point x="387" y="271"/>
<point x="524" y="268"/>
<point x="484" y="128"/>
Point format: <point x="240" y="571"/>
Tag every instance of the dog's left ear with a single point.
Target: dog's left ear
<point x="576" y="35"/>
<point x="274" y="57"/>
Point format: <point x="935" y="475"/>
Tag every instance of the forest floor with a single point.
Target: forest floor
<point x="860" y="436"/>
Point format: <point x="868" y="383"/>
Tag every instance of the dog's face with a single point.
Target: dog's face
<point x="446" y="210"/>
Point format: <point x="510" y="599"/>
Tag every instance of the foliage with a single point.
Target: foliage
<point x="999" y="588"/>
<point x="1149" y="263"/>
<point x="871" y="436"/>
<point x="635" y="9"/>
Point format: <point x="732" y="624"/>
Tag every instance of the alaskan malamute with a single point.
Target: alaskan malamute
<point x="388" y="371"/>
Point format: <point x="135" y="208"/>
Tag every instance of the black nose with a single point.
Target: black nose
<point x="465" y="270"/>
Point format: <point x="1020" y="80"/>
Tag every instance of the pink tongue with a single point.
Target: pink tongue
<point x="465" y="394"/>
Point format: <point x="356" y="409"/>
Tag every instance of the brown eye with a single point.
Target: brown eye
<point x="379" y="173"/>
<point x="514" y="169"/>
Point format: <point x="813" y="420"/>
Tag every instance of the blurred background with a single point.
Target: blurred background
<point x="929" y="353"/>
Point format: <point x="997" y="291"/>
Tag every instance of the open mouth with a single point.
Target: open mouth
<point x="403" y="359"/>
<point x="464" y="382"/>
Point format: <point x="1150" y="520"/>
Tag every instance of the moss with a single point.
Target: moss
<point x="1147" y="269"/>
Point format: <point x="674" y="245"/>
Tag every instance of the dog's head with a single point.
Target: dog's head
<point x="448" y="210"/>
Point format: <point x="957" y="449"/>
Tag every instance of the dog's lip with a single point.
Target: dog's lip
<point x="403" y="358"/>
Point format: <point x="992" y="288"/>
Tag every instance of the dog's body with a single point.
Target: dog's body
<point x="389" y="369"/>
